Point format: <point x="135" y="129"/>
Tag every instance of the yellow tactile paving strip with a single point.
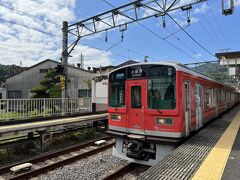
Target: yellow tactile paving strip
<point x="214" y="165"/>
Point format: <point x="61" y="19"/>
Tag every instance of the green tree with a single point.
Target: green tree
<point x="49" y="86"/>
<point x="88" y="83"/>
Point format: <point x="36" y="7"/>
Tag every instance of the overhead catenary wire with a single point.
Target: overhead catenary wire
<point x="218" y="26"/>
<point x="214" y="32"/>
<point x="50" y="34"/>
<point x="151" y="31"/>
<point x="191" y="37"/>
<point x="29" y="15"/>
<point x="186" y="32"/>
<point x="55" y="23"/>
<point x="28" y="27"/>
<point x="173" y="34"/>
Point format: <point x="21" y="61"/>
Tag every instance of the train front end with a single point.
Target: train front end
<point x="143" y="112"/>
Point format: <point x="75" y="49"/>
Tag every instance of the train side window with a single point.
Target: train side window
<point x="208" y="97"/>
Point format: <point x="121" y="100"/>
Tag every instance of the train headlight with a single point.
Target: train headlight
<point x="164" y="121"/>
<point x="115" y="117"/>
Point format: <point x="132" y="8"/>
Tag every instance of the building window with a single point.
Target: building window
<point x="0" y="95"/>
<point x="14" y="94"/>
<point x="43" y="71"/>
<point x="84" y="93"/>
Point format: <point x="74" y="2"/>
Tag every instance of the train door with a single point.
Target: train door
<point x="187" y="107"/>
<point x="216" y="101"/>
<point x="136" y="97"/>
<point x="198" y="94"/>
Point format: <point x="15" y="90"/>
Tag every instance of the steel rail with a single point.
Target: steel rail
<point x="53" y="154"/>
<point x="61" y="163"/>
<point x="123" y="170"/>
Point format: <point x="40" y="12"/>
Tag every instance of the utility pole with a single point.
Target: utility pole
<point x="64" y="64"/>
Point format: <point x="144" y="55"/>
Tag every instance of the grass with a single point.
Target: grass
<point x="28" y="115"/>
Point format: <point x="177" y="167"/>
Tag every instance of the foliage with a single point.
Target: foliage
<point x="8" y="70"/>
<point x="49" y="86"/>
<point x="214" y="71"/>
<point x="88" y="82"/>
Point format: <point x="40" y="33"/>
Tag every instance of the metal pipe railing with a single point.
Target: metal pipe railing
<point x="29" y="108"/>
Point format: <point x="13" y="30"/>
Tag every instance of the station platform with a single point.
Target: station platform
<point x="48" y="125"/>
<point x="213" y="153"/>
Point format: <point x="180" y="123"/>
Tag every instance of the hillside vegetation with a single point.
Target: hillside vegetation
<point x="8" y="70"/>
<point x="214" y="71"/>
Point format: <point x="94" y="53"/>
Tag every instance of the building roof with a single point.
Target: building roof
<point x="49" y="60"/>
<point x="228" y="55"/>
<point x="103" y="68"/>
<point x="126" y="63"/>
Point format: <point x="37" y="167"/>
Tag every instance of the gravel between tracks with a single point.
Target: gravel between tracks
<point x="93" y="167"/>
<point x="134" y="174"/>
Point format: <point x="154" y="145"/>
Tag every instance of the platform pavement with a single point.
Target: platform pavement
<point x="50" y="124"/>
<point x="232" y="169"/>
<point x="213" y="154"/>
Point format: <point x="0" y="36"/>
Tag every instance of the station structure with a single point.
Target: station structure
<point x="232" y="61"/>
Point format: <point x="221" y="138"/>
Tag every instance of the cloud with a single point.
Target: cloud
<point x="23" y="44"/>
<point x="237" y="3"/>
<point x="92" y="57"/>
<point x="202" y="9"/>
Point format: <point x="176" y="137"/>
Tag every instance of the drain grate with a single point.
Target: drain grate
<point x="184" y="161"/>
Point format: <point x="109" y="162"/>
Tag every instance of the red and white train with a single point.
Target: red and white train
<point x="153" y="106"/>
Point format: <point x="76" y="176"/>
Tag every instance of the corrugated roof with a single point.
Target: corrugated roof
<point x="49" y="60"/>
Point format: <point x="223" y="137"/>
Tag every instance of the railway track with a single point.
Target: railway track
<point x="53" y="160"/>
<point x="121" y="171"/>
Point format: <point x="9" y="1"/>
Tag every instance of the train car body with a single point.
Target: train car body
<point x="153" y="106"/>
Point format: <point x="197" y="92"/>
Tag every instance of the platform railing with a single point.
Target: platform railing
<point x="29" y="108"/>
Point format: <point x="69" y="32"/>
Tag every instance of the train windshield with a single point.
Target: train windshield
<point x="162" y="87"/>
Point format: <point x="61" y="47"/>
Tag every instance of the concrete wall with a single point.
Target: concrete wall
<point x="3" y="93"/>
<point x="77" y="78"/>
<point x="30" y="78"/>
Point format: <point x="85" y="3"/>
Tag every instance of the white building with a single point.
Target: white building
<point x="100" y="85"/>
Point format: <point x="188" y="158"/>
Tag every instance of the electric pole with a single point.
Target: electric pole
<point x="64" y="63"/>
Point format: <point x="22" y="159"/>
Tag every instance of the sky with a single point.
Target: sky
<point x="30" y="32"/>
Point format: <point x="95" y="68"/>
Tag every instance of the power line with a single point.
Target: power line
<point x="218" y="26"/>
<point x="191" y="36"/>
<point x="50" y="34"/>
<point x="29" y="15"/>
<point x="214" y="32"/>
<point x="38" y="30"/>
<point x="143" y="26"/>
<point x="32" y="16"/>
<point x="173" y="34"/>
<point x="209" y="34"/>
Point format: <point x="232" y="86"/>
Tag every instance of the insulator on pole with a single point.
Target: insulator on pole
<point x="164" y="21"/>
<point x="106" y="36"/>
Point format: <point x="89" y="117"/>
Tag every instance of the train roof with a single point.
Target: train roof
<point x="178" y="67"/>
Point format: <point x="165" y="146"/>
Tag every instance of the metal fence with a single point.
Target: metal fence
<point x="28" y="108"/>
